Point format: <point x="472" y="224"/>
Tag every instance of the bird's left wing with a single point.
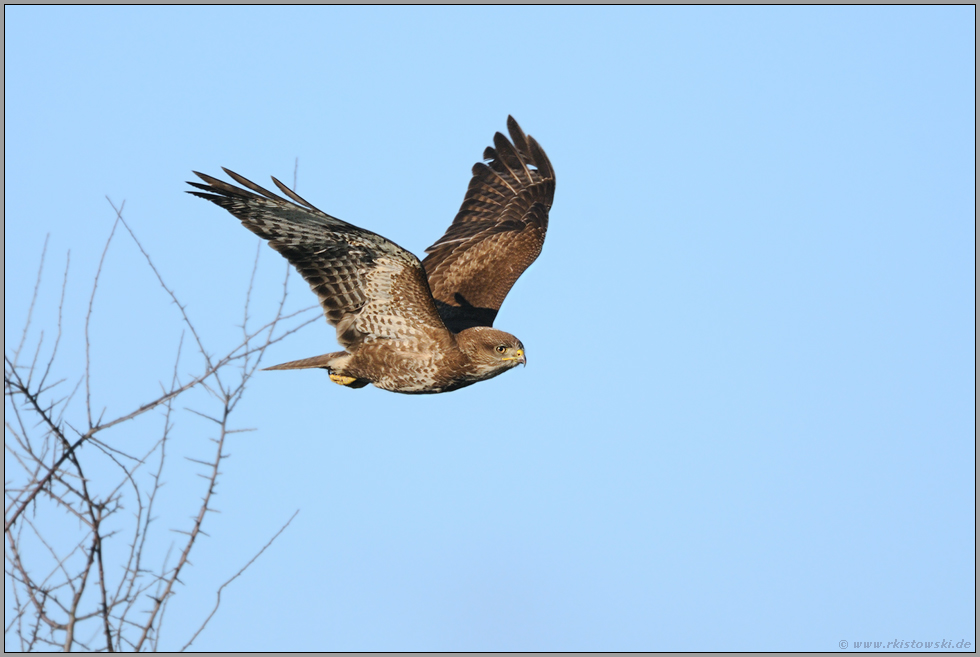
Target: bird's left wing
<point x="497" y="233"/>
<point x="369" y="287"/>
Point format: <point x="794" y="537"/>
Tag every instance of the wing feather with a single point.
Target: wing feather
<point x="369" y="287"/>
<point x="291" y="194"/>
<point x="497" y="233"/>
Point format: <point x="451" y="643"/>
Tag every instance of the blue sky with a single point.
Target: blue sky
<point x="747" y="420"/>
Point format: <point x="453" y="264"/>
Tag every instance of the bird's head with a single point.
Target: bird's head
<point x="491" y="351"/>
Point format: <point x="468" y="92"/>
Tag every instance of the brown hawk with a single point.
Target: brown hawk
<point x="410" y="326"/>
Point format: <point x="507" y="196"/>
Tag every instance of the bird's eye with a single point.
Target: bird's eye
<point x="501" y="349"/>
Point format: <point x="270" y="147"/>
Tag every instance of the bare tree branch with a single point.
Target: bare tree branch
<point x="65" y="463"/>
<point x="221" y="588"/>
<point x="88" y="319"/>
<point x="30" y="310"/>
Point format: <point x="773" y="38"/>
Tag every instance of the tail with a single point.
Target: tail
<point x="333" y="363"/>
<point x="324" y="361"/>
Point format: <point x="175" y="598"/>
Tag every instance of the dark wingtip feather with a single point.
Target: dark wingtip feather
<point x="214" y="198"/>
<point x="510" y="158"/>
<point x="211" y="180"/>
<point x="245" y="182"/>
<point x="291" y="194"/>
<point x="540" y="159"/>
<point x="517" y="135"/>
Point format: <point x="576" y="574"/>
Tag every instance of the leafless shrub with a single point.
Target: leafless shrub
<point x="85" y="562"/>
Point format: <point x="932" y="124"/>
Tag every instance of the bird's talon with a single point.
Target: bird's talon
<point x="342" y="380"/>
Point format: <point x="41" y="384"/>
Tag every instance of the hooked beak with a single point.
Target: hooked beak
<point x="518" y="356"/>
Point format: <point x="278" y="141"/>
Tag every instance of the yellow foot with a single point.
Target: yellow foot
<point x="342" y="380"/>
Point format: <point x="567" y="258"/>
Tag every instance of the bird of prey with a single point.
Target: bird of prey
<point x="410" y="326"/>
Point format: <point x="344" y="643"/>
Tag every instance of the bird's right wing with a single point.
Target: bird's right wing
<point x="369" y="287"/>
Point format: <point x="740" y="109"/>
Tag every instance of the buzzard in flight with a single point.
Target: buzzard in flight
<point x="410" y="326"/>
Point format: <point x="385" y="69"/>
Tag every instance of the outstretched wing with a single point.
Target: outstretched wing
<point x="370" y="288"/>
<point x="497" y="233"/>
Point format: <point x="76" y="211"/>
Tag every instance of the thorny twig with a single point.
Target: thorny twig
<point x="85" y="581"/>
<point x="217" y="602"/>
